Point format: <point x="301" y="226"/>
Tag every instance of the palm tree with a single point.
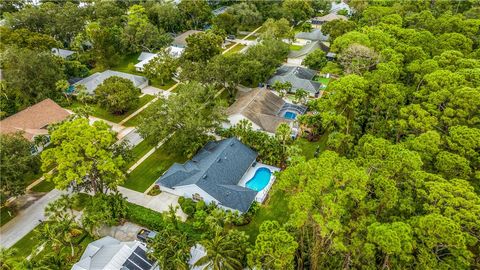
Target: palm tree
<point x="223" y="251"/>
<point x="7" y="258"/>
<point x="171" y="248"/>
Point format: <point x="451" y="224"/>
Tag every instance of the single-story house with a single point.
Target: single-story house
<point x="336" y="7"/>
<point x="264" y="109"/>
<point x="180" y="41"/>
<point x="93" y="81"/>
<point x="65" y="54"/>
<point x="296" y="57"/>
<point x="34" y="121"/>
<point x="299" y="77"/>
<point x="308" y="37"/>
<point x="146" y="57"/>
<point x="327" y="18"/>
<point x="223" y="172"/>
<point x="112" y="254"/>
<point x="219" y="10"/>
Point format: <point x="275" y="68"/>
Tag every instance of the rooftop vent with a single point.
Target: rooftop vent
<point x="204" y="176"/>
<point x="218" y="160"/>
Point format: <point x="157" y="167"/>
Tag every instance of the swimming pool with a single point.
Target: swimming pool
<point x="260" y="180"/>
<point x="290" y="115"/>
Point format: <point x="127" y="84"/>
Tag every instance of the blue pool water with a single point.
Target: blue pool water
<point x="260" y="180"/>
<point x="290" y="115"/>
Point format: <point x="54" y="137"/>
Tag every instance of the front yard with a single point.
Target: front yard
<point x="153" y="167"/>
<point x="236" y="49"/>
<point x="294" y="47"/>
<point x="101" y="113"/>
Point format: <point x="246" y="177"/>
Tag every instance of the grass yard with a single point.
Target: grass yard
<point x="236" y="49"/>
<point x="294" y="47"/>
<point x="153" y="167"/>
<point x="6" y="214"/>
<point x="275" y="208"/>
<point x="324" y="81"/>
<point x="308" y="148"/>
<point x="127" y="64"/>
<point x="139" y="151"/>
<point x="44" y="186"/>
<point x="101" y="113"/>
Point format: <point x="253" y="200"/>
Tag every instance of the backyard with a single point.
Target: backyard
<point x="101" y="113"/>
<point x="323" y="80"/>
<point x="274" y="208"/>
<point x="294" y="47"/>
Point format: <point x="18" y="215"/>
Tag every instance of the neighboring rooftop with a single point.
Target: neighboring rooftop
<point x="34" y="120"/>
<point x="219" y="10"/>
<point x="146" y="57"/>
<point x="314" y="35"/>
<point x="216" y="169"/>
<point x="62" y="53"/>
<point x="307" y="49"/>
<point x="336" y="7"/>
<point x="93" y="81"/>
<point x="181" y="40"/>
<point x="261" y="107"/>
<point x="112" y="254"/>
<point x="328" y="18"/>
<point x="299" y="77"/>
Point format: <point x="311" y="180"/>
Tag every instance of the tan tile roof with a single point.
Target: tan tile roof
<point x="34" y="119"/>
<point x="261" y="107"/>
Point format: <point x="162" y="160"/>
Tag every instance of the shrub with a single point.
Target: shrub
<point x="154" y="191"/>
<point x="201" y="205"/>
<point x="144" y="217"/>
<point x="189" y="210"/>
<point x="187" y="205"/>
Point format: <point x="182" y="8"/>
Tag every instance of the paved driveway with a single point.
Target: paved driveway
<point x="150" y="90"/>
<point x="26" y="220"/>
<point x="159" y="203"/>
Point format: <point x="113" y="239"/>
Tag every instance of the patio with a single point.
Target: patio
<point x="261" y="195"/>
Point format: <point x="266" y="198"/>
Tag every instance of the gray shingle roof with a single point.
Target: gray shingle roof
<point x="314" y="35"/>
<point x="93" y="81"/>
<point x="62" y="53"/>
<point x="216" y="169"/>
<point x="299" y="77"/>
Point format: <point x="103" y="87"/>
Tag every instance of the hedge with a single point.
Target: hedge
<point x="144" y="217"/>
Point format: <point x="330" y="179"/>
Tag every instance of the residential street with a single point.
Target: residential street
<point x="26" y="220"/>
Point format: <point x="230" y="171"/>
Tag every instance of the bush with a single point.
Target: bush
<point x="154" y="191"/>
<point x="201" y="205"/>
<point x="187" y="205"/>
<point x="144" y="217"/>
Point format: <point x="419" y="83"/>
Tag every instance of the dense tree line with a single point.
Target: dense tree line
<point x="398" y="186"/>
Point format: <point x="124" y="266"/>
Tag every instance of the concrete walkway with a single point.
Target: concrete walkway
<point x="159" y="203"/>
<point x="26" y="220"/>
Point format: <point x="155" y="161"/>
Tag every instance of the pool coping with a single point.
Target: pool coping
<point x="262" y="194"/>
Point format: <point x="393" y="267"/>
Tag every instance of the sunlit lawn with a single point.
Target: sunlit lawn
<point x="275" y="208"/>
<point x="153" y="167"/>
<point x="236" y="49"/>
<point x="6" y="214"/>
<point x="44" y="186"/>
<point x="294" y="47"/>
<point x="308" y="148"/>
<point x="139" y="151"/>
<point x="102" y="113"/>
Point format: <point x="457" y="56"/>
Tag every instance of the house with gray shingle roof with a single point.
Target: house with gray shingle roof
<point x="93" y="81"/>
<point x="299" y="77"/>
<point x="213" y="175"/>
<point x="65" y="54"/>
<point x="312" y="36"/>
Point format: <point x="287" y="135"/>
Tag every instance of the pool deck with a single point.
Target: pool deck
<point x="261" y="195"/>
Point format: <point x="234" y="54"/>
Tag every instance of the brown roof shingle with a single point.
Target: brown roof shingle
<point x="261" y="107"/>
<point x="34" y="119"/>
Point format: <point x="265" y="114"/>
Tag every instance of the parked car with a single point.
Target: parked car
<point x="231" y="37"/>
<point x="145" y="235"/>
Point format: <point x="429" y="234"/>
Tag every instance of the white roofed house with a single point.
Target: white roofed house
<point x="65" y="54"/>
<point x="109" y="253"/>
<point x="146" y="57"/>
<point x="93" y="81"/>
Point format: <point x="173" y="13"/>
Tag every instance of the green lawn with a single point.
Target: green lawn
<point x="6" y="214"/>
<point x="26" y="245"/>
<point x="275" y="208"/>
<point x="308" y="148"/>
<point x="324" y="81"/>
<point x="127" y="64"/>
<point x="44" y="186"/>
<point x="294" y="47"/>
<point x="236" y="49"/>
<point x="152" y="168"/>
<point x="139" y="151"/>
<point x="101" y="113"/>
